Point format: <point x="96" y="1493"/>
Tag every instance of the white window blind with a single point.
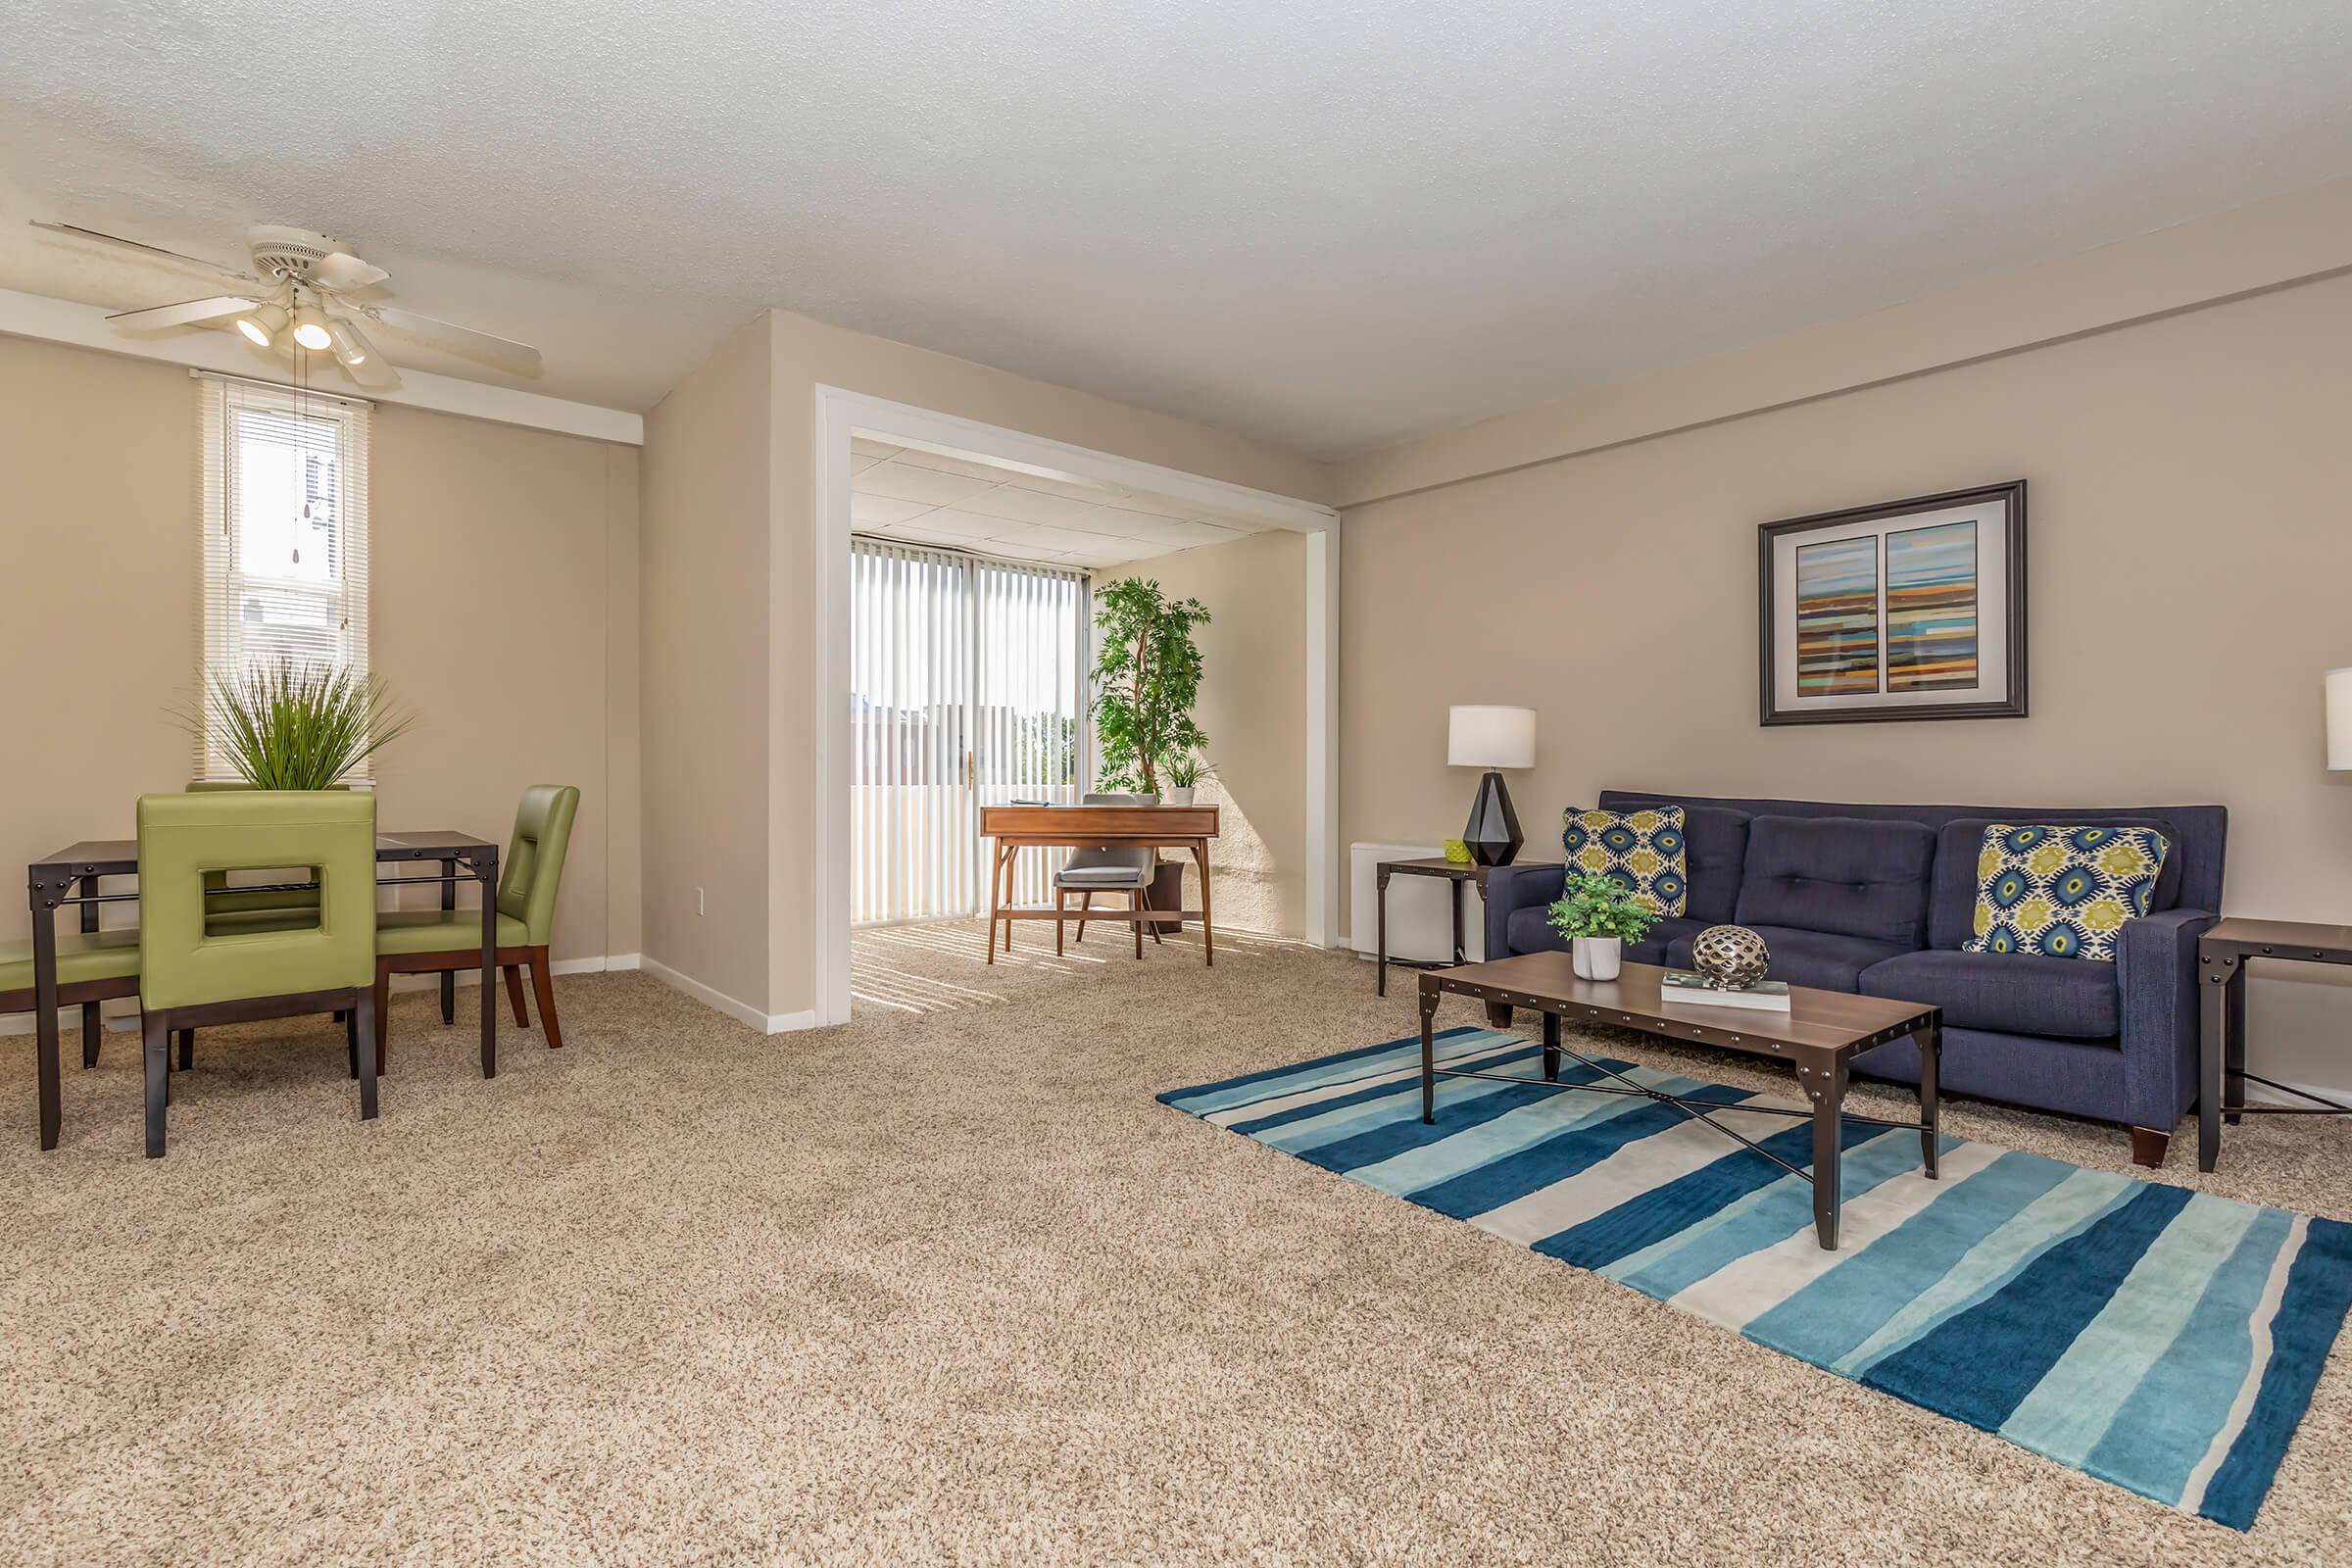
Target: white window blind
<point x="285" y="537"/>
<point x="968" y="688"/>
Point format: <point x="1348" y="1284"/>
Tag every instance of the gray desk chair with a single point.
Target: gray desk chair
<point x="1106" y="869"/>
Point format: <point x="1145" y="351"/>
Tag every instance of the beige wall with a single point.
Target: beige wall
<point x="2188" y="557"/>
<point x="1253" y="708"/>
<point x="708" y="512"/>
<point x="503" y="566"/>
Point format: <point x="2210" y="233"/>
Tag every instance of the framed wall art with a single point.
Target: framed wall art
<point x="1907" y="609"/>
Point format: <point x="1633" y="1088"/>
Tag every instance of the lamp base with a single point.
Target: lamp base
<point x="1492" y="831"/>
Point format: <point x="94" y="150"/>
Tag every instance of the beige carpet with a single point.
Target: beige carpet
<point x="944" y="1286"/>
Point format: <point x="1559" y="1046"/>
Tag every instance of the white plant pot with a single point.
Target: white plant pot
<point x="1596" y="957"/>
<point x="1178" y="796"/>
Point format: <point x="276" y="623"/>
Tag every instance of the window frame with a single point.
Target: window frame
<point x="223" y="583"/>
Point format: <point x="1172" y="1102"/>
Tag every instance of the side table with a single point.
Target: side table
<point x="1457" y="872"/>
<point x="2222" y="1076"/>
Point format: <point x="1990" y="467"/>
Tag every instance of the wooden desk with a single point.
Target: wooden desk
<point x="1019" y="827"/>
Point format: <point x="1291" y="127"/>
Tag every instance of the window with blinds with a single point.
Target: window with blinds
<point x="285" y="536"/>
<point x="968" y="688"/>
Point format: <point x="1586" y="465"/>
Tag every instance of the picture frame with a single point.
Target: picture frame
<point x="1905" y="610"/>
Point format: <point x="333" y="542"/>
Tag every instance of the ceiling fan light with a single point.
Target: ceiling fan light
<point x="310" y="327"/>
<point x="348" y="346"/>
<point x="263" y="326"/>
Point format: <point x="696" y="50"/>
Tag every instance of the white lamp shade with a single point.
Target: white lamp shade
<point x="2339" y="720"/>
<point x="1491" y="737"/>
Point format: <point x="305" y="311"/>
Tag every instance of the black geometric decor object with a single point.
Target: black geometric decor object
<point x="1492" y="832"/>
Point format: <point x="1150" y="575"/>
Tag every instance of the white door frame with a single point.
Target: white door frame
<point x="842" y="414"/>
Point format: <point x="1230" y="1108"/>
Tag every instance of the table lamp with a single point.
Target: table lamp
<point x="2339" y="720"/>
<point x="1492" y="737"/>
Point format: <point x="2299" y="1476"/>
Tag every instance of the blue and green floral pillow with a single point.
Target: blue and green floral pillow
<point x="2063" y="892"/>
<point x="1642" y="852"/>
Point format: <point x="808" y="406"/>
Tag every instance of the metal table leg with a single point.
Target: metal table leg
<point x="1931" y="1057"/>
<point x="1825" y="1085"/>
<point x="485" y="868"/>
<point x="2213" y="1030"/>
<point x="44" y="1005"/>
<point x="449" y="978"/>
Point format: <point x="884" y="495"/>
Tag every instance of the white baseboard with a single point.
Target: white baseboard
<point x="2264" y="1095"/>
<point x="772" y="1023"/>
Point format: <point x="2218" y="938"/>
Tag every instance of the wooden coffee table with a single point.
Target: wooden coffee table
<point x="1820" y="1034"/>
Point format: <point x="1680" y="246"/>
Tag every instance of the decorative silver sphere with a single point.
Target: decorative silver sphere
<point x="1730" y="956"/>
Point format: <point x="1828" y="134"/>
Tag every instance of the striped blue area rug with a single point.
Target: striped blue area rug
<point x="2162" y="1340"/>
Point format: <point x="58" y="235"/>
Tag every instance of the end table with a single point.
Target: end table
<point x="2222" y="1076"/>
<point x="1457" y="873"/>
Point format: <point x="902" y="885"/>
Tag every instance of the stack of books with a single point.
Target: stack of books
<point x="1765" y="996"/>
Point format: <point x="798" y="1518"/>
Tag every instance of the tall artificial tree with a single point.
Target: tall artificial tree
<point x="1147" y="677"/>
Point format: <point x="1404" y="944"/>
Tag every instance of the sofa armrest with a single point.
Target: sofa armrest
<point x="2156" y="969"/>
<point x="1511" y="888"/>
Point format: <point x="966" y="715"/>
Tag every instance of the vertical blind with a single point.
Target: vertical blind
<point x="966" y="687"/>
<point x="285" y="537"/>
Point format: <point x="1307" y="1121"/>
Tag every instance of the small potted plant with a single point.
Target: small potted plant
<point x="1599" y="919"/>
<point x="1186" y="773"/>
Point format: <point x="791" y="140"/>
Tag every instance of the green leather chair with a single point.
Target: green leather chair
<point x="445" y="940"/>
<point x="192" y="975"/>
<point x="92" y="966"/>
<point x="226" y="910"/>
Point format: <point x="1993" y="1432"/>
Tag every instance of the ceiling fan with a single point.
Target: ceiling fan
<point x="302" y="297"/>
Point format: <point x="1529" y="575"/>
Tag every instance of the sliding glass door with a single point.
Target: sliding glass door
<point x="967" y="686"/>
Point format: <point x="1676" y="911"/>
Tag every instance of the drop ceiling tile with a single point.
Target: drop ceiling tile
<point x="860" y="447"/>
<point x="1042" y="538"/>
<point x="939" y="463"/>
<point x="1017" y="505"/>
<point x="958" y="524"/>
<point x="1153" y="507"/>
<point x="902" y="482"/>
<point x="1189" y="535"/>
<point x="1068" y="489"/>
<point x="882" y="511"/>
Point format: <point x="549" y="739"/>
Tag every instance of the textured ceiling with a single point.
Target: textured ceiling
<point x="1327" y="222"/>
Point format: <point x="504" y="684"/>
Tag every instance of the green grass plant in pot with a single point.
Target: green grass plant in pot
<point x="1599" y="919"/>
<point x="1187" y="773"/>
<point x="290" y="724"/>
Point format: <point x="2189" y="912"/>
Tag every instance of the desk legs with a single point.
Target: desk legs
<point x="92" y="1014"/>
<point x="996" y="897"/>
<point x="1208" y="932"/>
<point x="1381" y="881"/>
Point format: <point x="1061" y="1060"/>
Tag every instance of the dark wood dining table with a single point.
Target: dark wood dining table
<point x="54" y="878"/>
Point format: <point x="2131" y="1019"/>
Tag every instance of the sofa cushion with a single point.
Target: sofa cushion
<point x="1715" y="846"/>
<point x="1844" y="875"/>
<point x="1822" y="959"/>
<point x="1952" y="893"/>
<point x="2012" y="992"/>
<point x="1642" y="852"/>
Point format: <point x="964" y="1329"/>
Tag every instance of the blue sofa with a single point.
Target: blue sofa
<point x="1879" y="898"/>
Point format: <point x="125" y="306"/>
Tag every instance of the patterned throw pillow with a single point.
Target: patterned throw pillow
<point x="1642" y="852"/>
<point x="2063" y="892"/>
